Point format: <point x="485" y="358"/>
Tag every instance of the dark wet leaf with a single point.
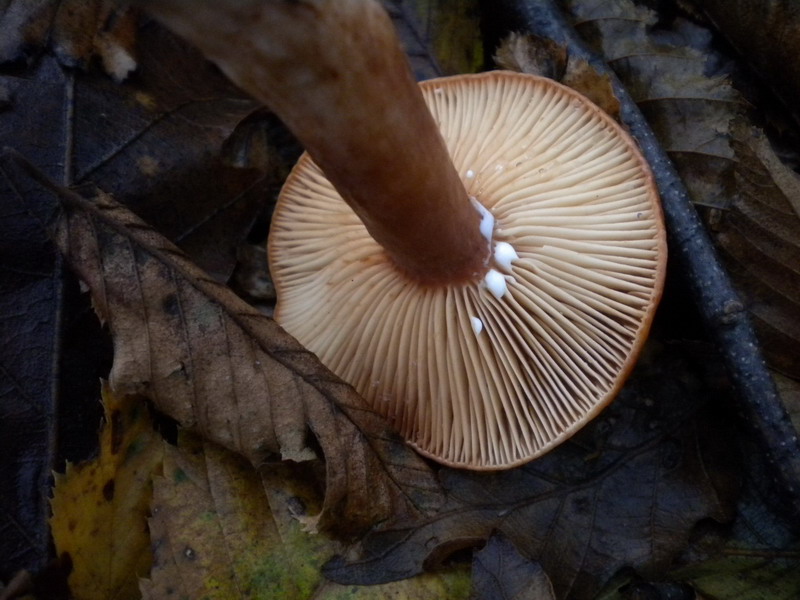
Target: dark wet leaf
<point x="626" y="491"/>
<point x="499" y="572"/>
<point x="760" y="238"/>
<point x="413" y="37"/>
<point x="220" y="368"/>
<point x="154" y="142"/>
<point x="758" y="558"/>
<point x="767" y="34"/>
<point x="444" y="33"/>
<point x="30" y="291"/>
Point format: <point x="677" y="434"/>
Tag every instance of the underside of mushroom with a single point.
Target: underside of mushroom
<point x="491" y="372"/>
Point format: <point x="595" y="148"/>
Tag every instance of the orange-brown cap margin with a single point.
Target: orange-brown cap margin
<point x="469" y="379"/>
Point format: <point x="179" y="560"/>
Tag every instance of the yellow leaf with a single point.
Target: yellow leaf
<point x="100" y="507"/>
<point x="223" y="530"/>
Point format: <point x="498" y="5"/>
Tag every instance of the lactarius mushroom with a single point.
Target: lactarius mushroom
<point x="483" y="255"/>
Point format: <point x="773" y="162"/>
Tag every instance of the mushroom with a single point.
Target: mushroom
<point x="494" y="371"/>
<point x="483" y="255"/>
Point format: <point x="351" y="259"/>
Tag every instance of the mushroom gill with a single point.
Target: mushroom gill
<point x="469" y="378"/>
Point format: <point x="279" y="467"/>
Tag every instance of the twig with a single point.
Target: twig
<point x="693" y="252"/>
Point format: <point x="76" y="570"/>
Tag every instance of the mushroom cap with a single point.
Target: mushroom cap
<point x="469" y="379"/>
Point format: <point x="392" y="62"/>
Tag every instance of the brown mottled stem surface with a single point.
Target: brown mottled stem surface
<point x="334" y="71"/>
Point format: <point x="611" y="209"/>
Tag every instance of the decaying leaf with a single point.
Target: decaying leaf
<point x="77" y="30"/>
<point x="100" y="507"/>
<point x="222" y="530"/>
<point x="542" y="56"/>
<point x="25" y="26"/>
<point x="30" y="315"/>
<point x="625" y="492"/>
<point x="499" y="572"/>
<point x="667" y="74"/>
<point x="448" y="30"/>
<point x="760" y="237"/>
<point x="767" y="34"/>
<point x="153" y="141"/>
<point x="758" y="558"/>
<point x="222" y="369"/>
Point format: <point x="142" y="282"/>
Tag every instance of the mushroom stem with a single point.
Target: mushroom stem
<point x="334" y="72"/>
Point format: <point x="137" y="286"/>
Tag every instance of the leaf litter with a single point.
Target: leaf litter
<point x="222" y="369"/>
<point x="100" y="506"/>
<point x="680" y="82"/>
<point x="626" y="491"/>
<point x="637" y="479"/>
<point x="222" y="529"/>
<point x="115" y="246"/>
<point x="671" y="75"/>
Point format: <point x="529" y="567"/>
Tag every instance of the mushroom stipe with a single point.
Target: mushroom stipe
<point x="471" y="379"/>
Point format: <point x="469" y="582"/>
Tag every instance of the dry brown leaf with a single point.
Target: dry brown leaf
<point x="222" y="369"/>
<point x="666" y="72"/>
<point x="77" y="30"/>
<point x="527" y="53"/>
<point x="541" y="56"/>
<point x="760" y="237"/>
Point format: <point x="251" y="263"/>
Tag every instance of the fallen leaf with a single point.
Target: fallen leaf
<point x="100" y="507"/>
<point x="154" y="142"/>
<point x="447" y="31"/>
<point x="767" y="34"/>
<point x="499" y="572"/>
<point x="760" y="238"/>
<point x="625" y="492"/>
<point x="532" y="54"/>
<point x="223" y="530"/>
<point x="757" y="559"/>
<point x="220" y="368"/>
<point x="76" y="30"/>
<point x="667" y="72"/>
<point x="30" y="286"/>
<point x="542" y="56"/>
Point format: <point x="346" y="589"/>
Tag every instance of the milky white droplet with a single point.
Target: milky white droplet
<point x="495" y="283"/>
<point x="504" y="253"/>
<point x="477" y="325"/>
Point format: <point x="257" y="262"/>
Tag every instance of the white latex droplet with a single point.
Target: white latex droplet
<point x="487" y="220"/>
<point x="477" y="325"/>
<point x="495" y="282"/>
<point x="504" y="253"/>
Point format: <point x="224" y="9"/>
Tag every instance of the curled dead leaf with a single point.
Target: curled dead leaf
<point x="542" y="56"/>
